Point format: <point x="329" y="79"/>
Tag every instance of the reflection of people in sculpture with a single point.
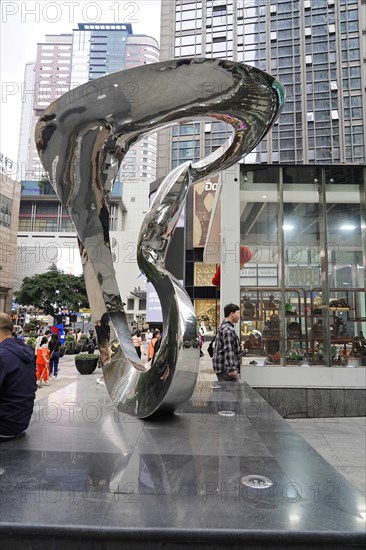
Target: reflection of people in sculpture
<point x="153" y="346"/>
<point x="137" y="342"/>
<point x="245" y="257"/>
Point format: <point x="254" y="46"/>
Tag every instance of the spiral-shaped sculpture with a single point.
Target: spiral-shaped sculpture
<point x="82" y="141"/>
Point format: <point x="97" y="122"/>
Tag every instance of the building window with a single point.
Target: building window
<point x="6" y="205"/>
<point x="130" y="303"/>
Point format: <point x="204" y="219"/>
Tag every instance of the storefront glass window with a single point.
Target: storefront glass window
<point x="303" y="293"/>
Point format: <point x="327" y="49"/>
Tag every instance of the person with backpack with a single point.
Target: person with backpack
<point x="54" y="349"/>
<point x="226" y="353"/>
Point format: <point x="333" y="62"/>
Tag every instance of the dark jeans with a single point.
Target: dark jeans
<point x="225" y="377"/>
<point x="54" y="363"/>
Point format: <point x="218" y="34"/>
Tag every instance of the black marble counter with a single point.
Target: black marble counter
<point x="86" y="476"/>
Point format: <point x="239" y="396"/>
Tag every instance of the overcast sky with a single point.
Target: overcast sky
<point x="24" y="23"/>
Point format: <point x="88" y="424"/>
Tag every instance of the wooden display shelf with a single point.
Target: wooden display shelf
<point x="346" y="340"/>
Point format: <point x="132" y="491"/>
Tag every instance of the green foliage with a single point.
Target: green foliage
<point x="52" y="291"/>
<point x="84" y="356"/>
<point x="31" y="342"/>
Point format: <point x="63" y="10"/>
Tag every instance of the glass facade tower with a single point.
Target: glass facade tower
<point x="313" y="47"/>
<point x="303" y="201"/>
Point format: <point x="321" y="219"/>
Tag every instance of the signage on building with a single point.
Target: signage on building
<point x="7" y="166"/>
<point x="204" y="197"/>
<point x="153" y="307"/>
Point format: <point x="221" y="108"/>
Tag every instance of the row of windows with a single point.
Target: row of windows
<point x="255" y="13"/>
<point x="6" y="206"/>
<point x="45" y="225"/>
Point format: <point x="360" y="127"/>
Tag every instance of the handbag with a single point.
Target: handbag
<point x="210" y="349"/>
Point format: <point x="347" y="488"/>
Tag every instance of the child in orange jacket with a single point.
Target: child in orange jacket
<point x="43" y="362"/>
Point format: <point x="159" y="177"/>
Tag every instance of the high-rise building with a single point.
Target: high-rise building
<point x="302" y="190"/>
<point x="45" y="80"/>
<point x="26" y="146"/>
<point x="45" y="232"/>
<point x="313" y="47"/>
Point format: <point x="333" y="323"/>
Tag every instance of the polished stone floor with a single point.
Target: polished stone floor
<point x="86" y="476"/>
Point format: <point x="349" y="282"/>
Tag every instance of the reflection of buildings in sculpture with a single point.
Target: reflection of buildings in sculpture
<point x="63" y="62"/>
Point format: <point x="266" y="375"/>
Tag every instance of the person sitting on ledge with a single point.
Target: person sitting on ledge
<point x="17" y="382"/>
<point x="245" y="257"/>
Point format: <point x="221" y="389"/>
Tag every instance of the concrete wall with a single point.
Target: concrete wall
<point x="315" y="402"/>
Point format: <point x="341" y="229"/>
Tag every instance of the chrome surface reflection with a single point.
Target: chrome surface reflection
<point x="82" y="139"/>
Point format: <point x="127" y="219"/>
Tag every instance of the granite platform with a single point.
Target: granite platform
<point x="225" y="471"/>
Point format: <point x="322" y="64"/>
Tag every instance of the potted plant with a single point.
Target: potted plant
<point x="62" y="350"/>
<point x="70" y="345"/>
<point x="86" y="363"/>
<point x="83" y="342"/>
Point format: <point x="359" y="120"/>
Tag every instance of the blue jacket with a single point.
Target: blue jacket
<point x="17" y="386"/>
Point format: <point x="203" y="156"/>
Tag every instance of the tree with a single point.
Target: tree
<point x="52" y="291"/>
<point x="45" y="186"/>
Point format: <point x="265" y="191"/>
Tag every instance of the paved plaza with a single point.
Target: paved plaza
<point x="340" y="441"/>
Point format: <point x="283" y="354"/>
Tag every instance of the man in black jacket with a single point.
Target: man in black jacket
<point x="17" y="382"/>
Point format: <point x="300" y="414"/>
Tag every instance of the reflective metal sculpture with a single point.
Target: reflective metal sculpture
<point x="82" y="139"/>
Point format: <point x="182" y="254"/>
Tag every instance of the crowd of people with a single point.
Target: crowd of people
<point x="23" y="368"/>
<point x="147" y="346"/>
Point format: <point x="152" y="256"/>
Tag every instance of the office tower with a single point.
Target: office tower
<point x="312" y="47"/>
<point x="316" y="149"/>
<point x="64" y="62"/>
<point x="45" y="80"/>
<point x="26" y="147"/>
<point x="101" y="49"/>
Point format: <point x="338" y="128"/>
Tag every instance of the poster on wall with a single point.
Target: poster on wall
<point x="203" y="201"/>
<point x="153" y="307"/>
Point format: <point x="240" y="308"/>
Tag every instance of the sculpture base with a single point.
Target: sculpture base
<point x="86" y="476"/>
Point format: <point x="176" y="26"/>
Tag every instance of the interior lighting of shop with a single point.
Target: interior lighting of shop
<point x="288" y="227"/>
<point x="347" y="227"/>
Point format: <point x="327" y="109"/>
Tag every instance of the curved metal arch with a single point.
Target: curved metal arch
<point x="82" y="139"/>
